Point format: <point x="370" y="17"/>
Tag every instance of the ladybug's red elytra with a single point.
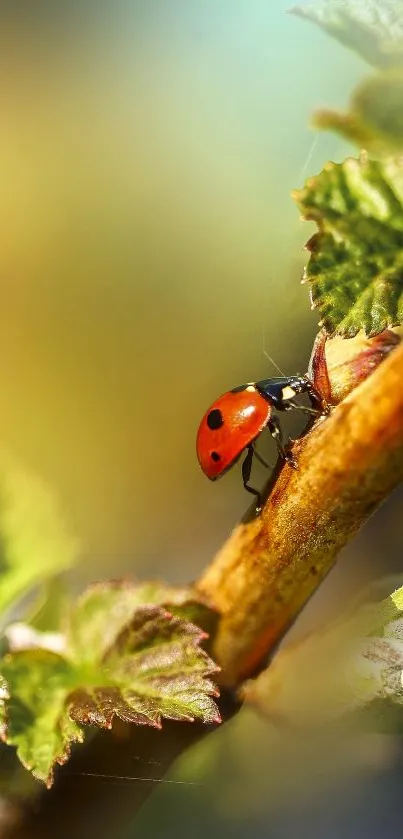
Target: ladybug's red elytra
<point x="234" y="421"/>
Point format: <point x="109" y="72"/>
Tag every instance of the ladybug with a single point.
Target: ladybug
<point x="232" y="424"/>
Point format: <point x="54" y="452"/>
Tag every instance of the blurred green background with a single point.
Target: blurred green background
<point x="150" y="253"/>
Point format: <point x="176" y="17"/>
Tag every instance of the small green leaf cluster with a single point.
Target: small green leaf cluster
<point x="355" y="267"/>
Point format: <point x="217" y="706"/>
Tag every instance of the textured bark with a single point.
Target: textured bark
<point x="349" y="462"/>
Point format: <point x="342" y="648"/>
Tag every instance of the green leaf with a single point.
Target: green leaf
<point x="375" y="118"/>
<point x="372" y="28"/>
<point x="89" y="635"/>
<point x="124" y="658"/>
<point x="37" y="719"/>
<point x="155" y="669"/>
<point x="159" y="661"/>
<point x="34" y="540"/>
<point x="356" y="264"/>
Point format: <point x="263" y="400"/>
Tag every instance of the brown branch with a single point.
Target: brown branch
<point x="349" y="462"/>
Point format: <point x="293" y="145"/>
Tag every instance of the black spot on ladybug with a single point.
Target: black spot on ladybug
<point x="215" y="456"/>
<point x="215" y="419"/>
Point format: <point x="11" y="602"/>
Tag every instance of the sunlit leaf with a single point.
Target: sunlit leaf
<point x="372" y="28"/>
<point x="37" y="719"/>
<point x="355" y="267"/>
<point x="89" y="635"/>
<point x="159" y="660"/>
<point x="125" y="657"/>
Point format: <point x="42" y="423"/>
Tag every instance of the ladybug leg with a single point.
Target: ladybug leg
<point x="260" y="458"/>
<point x="313" y="412"/>
<point x="275" y="431"/>
<point x="246" y="471"/>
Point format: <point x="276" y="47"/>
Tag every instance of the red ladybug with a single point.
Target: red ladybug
<point x="232" y="424"/>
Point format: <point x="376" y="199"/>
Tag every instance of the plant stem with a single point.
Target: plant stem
<point x="348" y="463"/>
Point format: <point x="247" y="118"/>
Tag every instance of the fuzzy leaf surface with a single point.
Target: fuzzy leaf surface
<point x="37" y="722"/>
<point x="355" y="269"/>
<point x="89" y="635"/>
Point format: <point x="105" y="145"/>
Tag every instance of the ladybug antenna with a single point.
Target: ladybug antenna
<point x="269" y="358"/>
